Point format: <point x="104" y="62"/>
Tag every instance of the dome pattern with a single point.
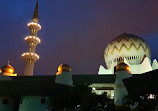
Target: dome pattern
<point x="128" y="46"/>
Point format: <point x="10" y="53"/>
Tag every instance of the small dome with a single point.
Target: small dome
<point x="122" y="67"/>
<point x="64" y="67"/>
<point x="7" y="69"/>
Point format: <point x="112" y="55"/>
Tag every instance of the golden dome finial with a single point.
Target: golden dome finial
<point x="7" y="69"/>
<point x="122" y="67"/>
<point x="64" y="67"/>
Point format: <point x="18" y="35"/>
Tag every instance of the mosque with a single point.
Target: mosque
<point x="135" y="52"/>
<point x="125" y="56"/>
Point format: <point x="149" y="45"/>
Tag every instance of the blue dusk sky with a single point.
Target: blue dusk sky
<point x="75" y="31"/>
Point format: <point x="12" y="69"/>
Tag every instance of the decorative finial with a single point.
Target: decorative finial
<point x="35" y="15"/>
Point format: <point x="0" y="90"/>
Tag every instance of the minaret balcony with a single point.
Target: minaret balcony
<point x="32" y="25"/>
<point x="30" y="56"/>
<point x="32" y="39"/>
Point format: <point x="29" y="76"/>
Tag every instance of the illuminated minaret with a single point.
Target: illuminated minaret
<point x="31" y="57"/>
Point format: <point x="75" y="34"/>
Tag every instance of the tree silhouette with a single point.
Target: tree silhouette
<point x="79" y="98"/>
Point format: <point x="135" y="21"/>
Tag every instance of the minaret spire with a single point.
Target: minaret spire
<point x="31" y="57"/>
<point x="35" y="15"/>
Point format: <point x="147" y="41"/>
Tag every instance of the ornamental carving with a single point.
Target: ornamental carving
<point x="126" y="47"/>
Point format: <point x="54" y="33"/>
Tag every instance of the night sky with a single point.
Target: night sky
<point x="74" y="31"/>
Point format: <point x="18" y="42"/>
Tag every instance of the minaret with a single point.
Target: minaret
<point x="31" y="57"/>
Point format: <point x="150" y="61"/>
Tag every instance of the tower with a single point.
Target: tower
<point x="31" y="57"/>
<point x="63" y="76"/>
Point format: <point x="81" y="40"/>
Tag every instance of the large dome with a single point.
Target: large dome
<point x="128" y="46"/>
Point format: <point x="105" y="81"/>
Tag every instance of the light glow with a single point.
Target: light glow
<point x="93" y="88"/>
<point x="9" y="74"/>
<point x="151" y="96"/>
<point x="33" y="23"/>
<point x="11" y="71"/>
<point x="127" y="68"/>
<point x="30" y="53"/>
<point x="33" y="37"/>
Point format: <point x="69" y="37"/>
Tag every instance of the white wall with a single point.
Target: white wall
<point x="33" y="103"/>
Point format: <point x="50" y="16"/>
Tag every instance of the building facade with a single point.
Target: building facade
<point x="127" y="54"/>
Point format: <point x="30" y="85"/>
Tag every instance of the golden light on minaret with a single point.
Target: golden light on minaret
<point x="31" y="57"/>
